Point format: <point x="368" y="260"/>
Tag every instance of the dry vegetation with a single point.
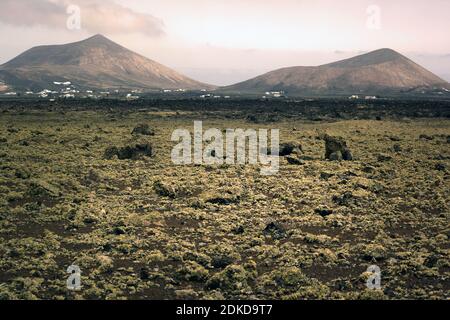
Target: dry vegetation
<point x="143" y="228"/>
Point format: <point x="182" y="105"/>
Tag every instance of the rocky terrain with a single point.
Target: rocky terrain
<point x="92" y="183"/>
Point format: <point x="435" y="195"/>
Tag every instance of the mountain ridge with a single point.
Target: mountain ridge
<point x="99" y="63"/>
<point x="380" y="71"/>
<point x="95" y="62"/>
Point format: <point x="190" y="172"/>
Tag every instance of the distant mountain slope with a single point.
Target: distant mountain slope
<point x="96" y="62"/>
<point x="379" y="71"/>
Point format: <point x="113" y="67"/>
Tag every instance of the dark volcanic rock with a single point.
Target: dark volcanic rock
<point x="397" y="148"/>
<point x="336" y="156"/>
<point x="164" y="190"/>
<point x="343" y="200"/>
<point x="143" y="129"/>
<point x="275" y="230"/>
<point x="130" y="152"/>
<point x="384" y="157"/>
<point x="289" y="148"/>
<point x="425" y="137"/>
<point x="224" y="200"/>
<point x="322" y="211"/>
<point x="239" y="230"/>
<point x="326" y="175"/>
<point x="335" y="148"/>
<point x="144" y="273"/>
<point x="110" y="152"/>
<point x="294" y="160"/>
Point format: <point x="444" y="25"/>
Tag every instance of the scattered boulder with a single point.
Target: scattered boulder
<point x="384" y="157"/>
<point x="336" y="148"/>
<point x="397" y="148"/>
<point x="232" y="278"/>
<point x="368" y="169"/>
<point x="425" y="137"/>
<point x="239" y="230"/>
<point x="224" y="200"/>
<point x="394" y="138"/>
<point x="144" y="273"/>
<point x="431" y="261"/>
<point x="374" y="252"/>
<point x="344" y="199"/>
<point x="275" y="230"/>
<point x="119" y="230"/>
<point x="12" y="130"/>
<point x="440" y="167"/>
<point x="90" y="219"/>
<point x="336" y="156"/>
<point x="110" y="152"/>
<point x="40" y="189"/>
<point x="22" y="173"/>
<point x="24" y="143"/>
<point x="223" y="257"/>
<point x="129" y="152"/>
<point x="326" y="175"/>
<point x="294" y="161"/>
<point x="323" y="211"/>
<point x="143" y="129"/>
<point x="289" y="148"/>
<point x="3" y="140"/>
<point x="164" y="190"/>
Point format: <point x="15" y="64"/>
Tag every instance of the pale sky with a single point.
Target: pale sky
<point x="226" y="41"/>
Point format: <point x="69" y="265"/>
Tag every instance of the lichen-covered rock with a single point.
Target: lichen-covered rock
<point x="164" y="190"/>
<point x="294" y="160"/>
<point x="384" y="157"/>
<point x="336" y="156"/>
<point x="129" y="152"/>
<point x="397" y="148"/>
<point x="275" y="230"/>
<point x="289" y="148"/>
<point x="290" y="278"/>
<point x="192" y="271"/>
<point x="232" y="278"/>
<point x="143" y="129"/>
<point x="334" y="146"/>
<point x="323" y="211"/>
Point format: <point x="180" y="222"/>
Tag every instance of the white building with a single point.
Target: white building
<point x="131" y="97"/>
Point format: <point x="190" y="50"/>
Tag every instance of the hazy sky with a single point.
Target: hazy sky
<point x="225" y="41"/>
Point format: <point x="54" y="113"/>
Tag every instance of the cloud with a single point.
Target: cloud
<point x="97" y="16"/>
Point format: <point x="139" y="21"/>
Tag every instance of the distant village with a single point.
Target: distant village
<point x="67" y="90"/>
